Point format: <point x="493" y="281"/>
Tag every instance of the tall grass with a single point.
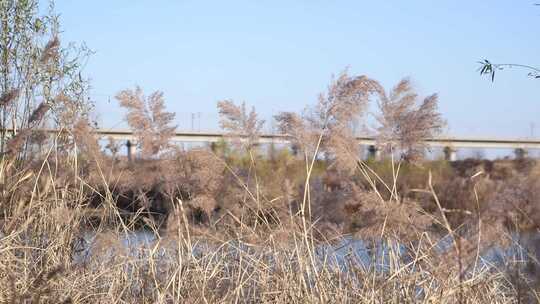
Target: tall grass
<point x="44" y="259"/>
<point x="235" y="226"/>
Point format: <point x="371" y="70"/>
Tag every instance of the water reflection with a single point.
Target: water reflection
<point x="374" y="255"/>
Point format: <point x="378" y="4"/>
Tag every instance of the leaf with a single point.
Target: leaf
<point x="38" y="24"/>
<point x="483" y="70"/>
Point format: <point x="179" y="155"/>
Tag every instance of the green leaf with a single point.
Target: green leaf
<point x="38" y="25"/>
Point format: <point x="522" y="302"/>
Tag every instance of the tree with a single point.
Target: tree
<point x="38" y="76"/>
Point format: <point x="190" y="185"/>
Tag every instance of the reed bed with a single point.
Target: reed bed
<point x="235" y="225"/>
<point x="46" y="256"/>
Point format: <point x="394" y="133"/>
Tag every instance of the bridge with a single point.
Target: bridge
<point x="449" y="144"/>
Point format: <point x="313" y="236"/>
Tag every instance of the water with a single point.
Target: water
<point x="346" y="253"/>
<point x="131" y="242"/>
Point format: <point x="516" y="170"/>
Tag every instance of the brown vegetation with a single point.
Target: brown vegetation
<point x="265" y="216"/>
<point x="404" y="125"/>
<point x="147" y="117"/>
<point x="239" y="123"/>
<point x="236" y="223"/>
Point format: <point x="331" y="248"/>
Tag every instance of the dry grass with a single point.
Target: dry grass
<point x="236" y="225"/>
<point x="240" y="226"/>
<point x="42" y="257"/>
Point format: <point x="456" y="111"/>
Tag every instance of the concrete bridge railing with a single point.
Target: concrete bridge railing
<point x="450" y="145"/>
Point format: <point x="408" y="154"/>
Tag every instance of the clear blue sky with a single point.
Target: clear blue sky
<point x="278" y="55"/>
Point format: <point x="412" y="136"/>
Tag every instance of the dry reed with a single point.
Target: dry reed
<point x="244" y="228"/>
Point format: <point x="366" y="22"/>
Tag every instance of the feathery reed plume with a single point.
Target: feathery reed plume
<point x="148" y="119"/>
<point x="39" y="113"/>
<point x="50" y="50"/>
<point x="332" y="118"/>
<point x="8" y="97"/>
<point x="85" y="138"/>
<point x="294" y="126"/>
<point x="16" y="143"/>
<point x="404" y="123"/>
<point x="346" y="101"/>
<point x="239" y="123"/>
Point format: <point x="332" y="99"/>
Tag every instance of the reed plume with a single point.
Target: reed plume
<point x="146" y="116"/>
<point x="240" y="123"/>
<point x="15" y="144"/>
<point x="85" y="138"/>
<point x="302" y="137"/>
<point x="50" y="50"/>
<point x="332" y="119"/>
<point x="39" y="113"/>
<point x="405" y="124"/>
<point x="8" y="97"/>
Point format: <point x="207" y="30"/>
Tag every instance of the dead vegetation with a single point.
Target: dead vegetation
<point x="404" y="124"/>
<point x="244" y="244"/>
<point x="238" y="223"/>
<point x="147" y="117"/>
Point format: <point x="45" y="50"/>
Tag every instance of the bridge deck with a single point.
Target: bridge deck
<point x="453" y="142"/>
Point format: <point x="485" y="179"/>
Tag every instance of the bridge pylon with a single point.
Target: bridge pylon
<point x="450" y="153"/>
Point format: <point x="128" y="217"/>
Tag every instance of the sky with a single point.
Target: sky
<point x="279" y="55"/>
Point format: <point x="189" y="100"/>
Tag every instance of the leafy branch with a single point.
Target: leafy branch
<point x="489" y="68"/>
